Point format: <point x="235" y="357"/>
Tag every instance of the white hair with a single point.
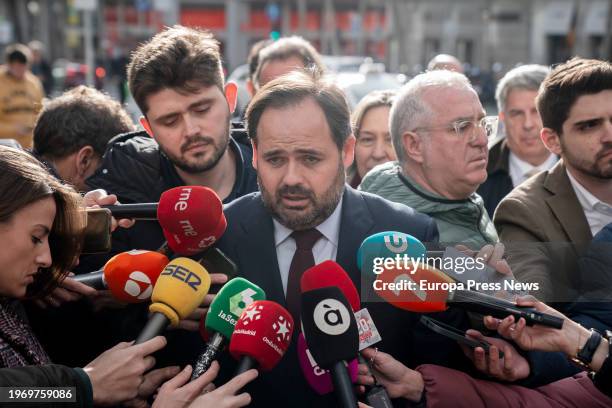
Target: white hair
<point x="409" y="111"/>
<point x="528" y="77"/>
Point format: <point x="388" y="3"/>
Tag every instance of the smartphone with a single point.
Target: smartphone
<point x="215" y="261"/>
<point x="97" y="235"/>
<point x="456" y="334"/>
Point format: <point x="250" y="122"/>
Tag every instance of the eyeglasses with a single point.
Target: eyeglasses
<point x="467" y="128"/>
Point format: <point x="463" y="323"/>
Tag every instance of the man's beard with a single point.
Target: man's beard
<point x="198" y="165"/>
<point x="321" y="208"/>
<point x="598" y="168"/>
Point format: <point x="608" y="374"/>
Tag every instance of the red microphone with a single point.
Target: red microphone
<point x="329" y="273"/>
<point x="184" y="210"/>
<point x="262" y="336"/>
<point x="426" y="289"/>
<point x="130" y="276"/>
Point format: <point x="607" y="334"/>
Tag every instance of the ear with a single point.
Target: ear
<point x="502" y="116"/>
<point x="231" y="94"/>
<point x="250" y="86"/>
<point x="84" y="159"/>
<point x="145" y="124"/>
<point x="348" y="151"/>
<point x="414" y="146"/>
<point x="551" y="140"/>
<point x="254" y="154"/>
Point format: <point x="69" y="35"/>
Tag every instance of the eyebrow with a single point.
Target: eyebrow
<point x="202" y="101"/>
<point x="584" y="121"/>
<point x="299" y="151"/>
<point x="45" y="229"/>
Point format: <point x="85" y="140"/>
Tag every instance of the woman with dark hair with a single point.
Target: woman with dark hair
<point x="370" y="122"/>
<point x="41" y="226"/>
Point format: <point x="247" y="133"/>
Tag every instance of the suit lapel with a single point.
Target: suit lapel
<point x="565" y="205"/>
<point x="355" y="224"/>
<point x="259" y="249"/>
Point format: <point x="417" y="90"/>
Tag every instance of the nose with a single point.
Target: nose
<point x="479" y="137"/>
<point x="43" y="257"/>
<point x="607" y="133"/>
<point x="380" y="150"/>
<point x="530" y="120"/>
<point x="192" y="126"/>
<point x="293" y="173"/>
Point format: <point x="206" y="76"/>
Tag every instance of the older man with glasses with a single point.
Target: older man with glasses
<point x="440" y="134"/>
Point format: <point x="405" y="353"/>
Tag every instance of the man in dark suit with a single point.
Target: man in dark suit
<point x="300" y="130"/>
<point x="518" y="153"/>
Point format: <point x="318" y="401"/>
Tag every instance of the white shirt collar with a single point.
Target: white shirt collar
<point x="330" y="228"/>
<point x="587" y="200"/>
<point x="519" y="168"/>
<point x="597" y="212"/>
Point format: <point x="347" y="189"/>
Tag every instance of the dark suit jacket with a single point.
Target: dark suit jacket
<point x="249" y="241"/>
<point x="498" y="183"/>
<point x="545" y="231"/>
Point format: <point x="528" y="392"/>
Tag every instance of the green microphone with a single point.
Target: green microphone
<point x="223" y="313"/>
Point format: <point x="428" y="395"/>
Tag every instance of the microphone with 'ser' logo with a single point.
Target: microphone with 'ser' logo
<point x="330" y="330"/>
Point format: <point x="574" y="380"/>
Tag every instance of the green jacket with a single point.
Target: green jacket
<point x="459" y="221"/>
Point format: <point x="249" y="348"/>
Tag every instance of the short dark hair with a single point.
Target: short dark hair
<point x="566" y="83"/>
<point x="26" y="181"/>
<point x="179" y="58"/>
<point x="294" y="87"/>
<point x="17" y="53"/>
<point x="286" y="48"/>
<point x="80" y="117"/>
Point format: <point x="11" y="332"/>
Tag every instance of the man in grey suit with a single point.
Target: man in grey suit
<point x="563" y="208"/>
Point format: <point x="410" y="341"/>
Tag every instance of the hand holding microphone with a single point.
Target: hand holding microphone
<point x="99" y="198"/>
<point x="399" y="380"/>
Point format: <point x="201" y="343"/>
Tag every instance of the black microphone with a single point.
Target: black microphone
<point x="331" y="332"/>
<point x="500" y="308"/>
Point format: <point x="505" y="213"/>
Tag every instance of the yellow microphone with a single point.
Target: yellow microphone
<point x="179" y="290"/>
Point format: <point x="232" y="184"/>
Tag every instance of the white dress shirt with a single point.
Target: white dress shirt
<point x="520" y="170"/>
<point x="325" y="248"/>
<point x="597" y="213"/>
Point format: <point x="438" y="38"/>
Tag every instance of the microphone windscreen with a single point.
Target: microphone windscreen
<point x="329" y="326"/>
<point x="263" y="332"/>
<point x="329" y="273"/>
<point x="131" y="276"/>
<point x="192" y="215"/>
<point x="229" y="303"/>
<point x="180" y="289"/>
<point x="423" y="289"/>
<point x="319" y="379"/>
<point x="387" y="244"/>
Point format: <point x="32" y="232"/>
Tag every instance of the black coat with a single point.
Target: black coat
<point x="499" y="182"/>
<point x="49" y="375"/>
